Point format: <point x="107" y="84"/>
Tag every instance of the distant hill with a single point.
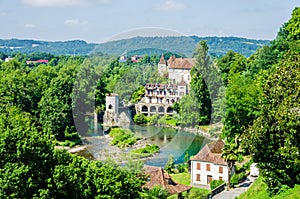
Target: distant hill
<point x="184" y="46"/>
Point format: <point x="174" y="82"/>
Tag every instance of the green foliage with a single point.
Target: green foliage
<point x="278" y="126"/>
<point x="167" y="120"/>
<point x="198" y="84"/>
<point x="138" y="94"/>
<point x="157" y="192"/>
<point x="170" y="165"/>
<point x="230" y="64"/>
<point x="31" y="168"/>
<point x="140" y="118"/>
<point x="198" y="193"/>
<point x="189" y="111"/>
<point x="149" y="149"/>
<point x="153" y="119"/>
<point x="237" y="178"/>
<point x="215" y="183"/>
<point x="242" y="106"/>
<point x="259" y="191"/>
<point x="122" y="138"/>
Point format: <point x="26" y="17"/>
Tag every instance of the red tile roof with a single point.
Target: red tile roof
<point x="181" y="63"/>
<point x="162" y="60"/>
<point x="211" y="153"/>
<point x="159" y="177"/>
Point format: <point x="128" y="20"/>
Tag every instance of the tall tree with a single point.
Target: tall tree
<point x="198" y="83"/>
<point x="274" y="138"/>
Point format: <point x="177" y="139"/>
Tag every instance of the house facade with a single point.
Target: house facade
<point x="177" y="69"/>
<point x="159" y="98"/>
<point x="207" y="164"/>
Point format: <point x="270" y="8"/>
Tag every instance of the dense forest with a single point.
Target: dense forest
<point x="218" y="46"/>
<point x="256" y="98"/>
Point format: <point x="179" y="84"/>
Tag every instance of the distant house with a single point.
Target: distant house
<point x="40" y="61"/>
<point x="157" y="176"/>
<point x="208" y="165"/>
<point x="7" y="59"/>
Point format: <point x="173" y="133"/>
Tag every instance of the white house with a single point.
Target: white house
<point x="208" y="165"/>
<point x="178" y="69"/>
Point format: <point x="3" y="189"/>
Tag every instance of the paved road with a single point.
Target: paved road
<point x="232" y="193"/>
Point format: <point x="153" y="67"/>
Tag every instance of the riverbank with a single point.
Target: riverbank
<point x="200" y="130"/>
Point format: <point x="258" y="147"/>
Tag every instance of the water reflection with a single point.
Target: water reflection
<point x="171" y="142"/>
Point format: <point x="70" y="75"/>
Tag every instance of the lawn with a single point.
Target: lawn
<point x="259" y="191"/>
<point x="185" y="178"/>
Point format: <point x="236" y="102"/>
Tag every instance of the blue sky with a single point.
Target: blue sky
<point x="99" y="20"/>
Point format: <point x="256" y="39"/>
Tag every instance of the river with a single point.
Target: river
<point x="171" y="142"/>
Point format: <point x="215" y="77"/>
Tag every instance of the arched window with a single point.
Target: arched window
<point x="152" y="109"/>
<point x="144" y="109"/>
<point x="161" y="109"/>
<point x="110" y="106"/>
<point x="169" y="110"/>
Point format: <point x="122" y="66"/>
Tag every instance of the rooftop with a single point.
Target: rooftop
<point x="211" y="153"/>
<point x="157" y="176"/>
<point x="181" y="63"/>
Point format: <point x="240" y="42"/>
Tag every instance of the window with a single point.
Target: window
<point x="207" y="167"/>
<point x="198" y="166"/>
<point x="220" y="169"/>
<point x="220" y="178"/>
<point x="198" y="177"/>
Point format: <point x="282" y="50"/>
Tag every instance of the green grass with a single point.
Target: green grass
<point x="182" y="178"/>
<point x="185" y="178"/>
<point x="259" y="191"/>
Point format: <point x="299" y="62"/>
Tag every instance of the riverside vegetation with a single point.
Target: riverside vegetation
<point x="259" y="101"/>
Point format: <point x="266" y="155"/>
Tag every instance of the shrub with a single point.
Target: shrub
<point x="215" y="183"/>
<point x="140" y="118"/>
<point x="237" y="178"/>
<point x="181" y="168"/>
<point x="148" y="149"/>
<point x="153" y="119"/>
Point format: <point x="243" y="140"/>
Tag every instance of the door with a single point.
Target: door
<point x="209" y="179"/>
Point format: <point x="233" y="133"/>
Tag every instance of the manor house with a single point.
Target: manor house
<point x="159" y="98"/>
<point x="177" y="69"/>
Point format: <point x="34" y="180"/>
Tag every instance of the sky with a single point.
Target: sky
<point x="104" y="20"/>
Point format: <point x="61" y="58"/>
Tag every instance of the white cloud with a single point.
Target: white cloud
<point x="171" y="6"/>
<point x="29" y="25"/>
<point x="46" y="3"/>
<point x="75" y="22"/>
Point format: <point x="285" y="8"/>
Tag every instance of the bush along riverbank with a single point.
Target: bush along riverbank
<point x="136" y="147"/>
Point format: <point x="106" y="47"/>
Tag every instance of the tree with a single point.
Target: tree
<point x="170" y="165"/>
<point x="231" y="153"/>
<point x="140" y="118"/>
<point x="55" y="107"/>
<point x="157" y="192"/>
<point x="242" y="96"/>
<point x="26" y="156"/>
<point x="274" y="137"/>
<point x="199" y="84"/>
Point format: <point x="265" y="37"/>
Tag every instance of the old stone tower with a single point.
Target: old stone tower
<point x="112" y="109"/>
<point x="162" y="66"/>
<point x="115" y="115"/>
